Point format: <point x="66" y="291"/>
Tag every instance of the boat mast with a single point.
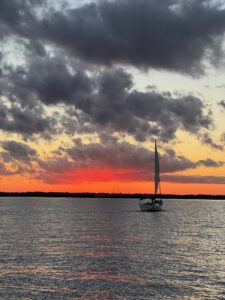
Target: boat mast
<point x="157" y="177"/>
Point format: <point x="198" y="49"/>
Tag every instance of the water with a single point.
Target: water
<point x="56" y="248"/>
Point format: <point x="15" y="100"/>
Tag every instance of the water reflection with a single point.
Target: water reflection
<point x="101" y="295"/>
<point x="96" y="249"/>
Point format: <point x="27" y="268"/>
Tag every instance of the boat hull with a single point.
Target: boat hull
<point x="150" y="206"/>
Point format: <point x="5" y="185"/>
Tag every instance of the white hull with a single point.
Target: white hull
<point x="147" y="205"/>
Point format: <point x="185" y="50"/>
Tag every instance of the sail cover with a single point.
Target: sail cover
<point x="157" y="177"/>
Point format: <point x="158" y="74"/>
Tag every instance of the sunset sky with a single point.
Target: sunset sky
<point x="86" y="87"/>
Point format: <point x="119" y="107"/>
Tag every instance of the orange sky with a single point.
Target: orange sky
<point x="115" y="180"/>
<point x="105" y="181"/>
<point x="21" y="185"/>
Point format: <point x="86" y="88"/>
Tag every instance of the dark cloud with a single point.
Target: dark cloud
<point x="35" y="47"/>
<point x="173" y="35"/>
<point x="53" y="82"/>
<point x="194" y="179"/>
<point x="114" y="154"/>
<point x="210" y="163"/>
<point x="133" y="32"/>
<point x="107" y="101"/>
<point x="56" y="164"/>
<point x="144" y="114"/>
<point x="222" y="103"/>
<point x="128" y="161"/>
<point x="49" y="79"/>
<point x="12" y="12"/>
<point x="123" y="31"/>
<point x="19" y="17"/>
<point x="19" y="151"/>
<point x="26" y="121"/>
<point x="125" y="161"/>
<point x="206" y="139"/>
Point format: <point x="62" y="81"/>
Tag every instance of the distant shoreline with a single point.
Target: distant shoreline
<point x="107" y="195"/>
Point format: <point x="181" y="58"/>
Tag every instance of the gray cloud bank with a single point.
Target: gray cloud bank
<point x="18" y="151"/>
<point x="130" y="161"/>
<point x="25" y="121"/>
<point x="107" y="101"/>
<point x="123" y="155"/>
<point x="173" y="35"/>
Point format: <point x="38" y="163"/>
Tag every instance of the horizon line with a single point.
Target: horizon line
<point x="114" y="195"/>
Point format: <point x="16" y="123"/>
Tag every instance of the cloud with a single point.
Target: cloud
<point x="53" y="82"/>
<point x="63" y="76"/>
<point x="56" y="164"/>
<point x="108" y="160"/>
<point x="26" y="121"/>
<point x="194" y="179"/>
<point x="222" y="103"/>
<point x="107" y="100"/>
<point x="211" y="163"/>
<point x="122" y="155"/>
<point x="116" y="155"/>
<point x="144" y="114"/>
<point x="18" y="151"/>
<point x="18" y="16"/>
<point x="97" y="99"/>
<point x="113" y="160"/>
<point x="123" y="32"/>
<point x="35" y="47"/>
<point x="138" y="32"/>
<point x="206" y="139"/>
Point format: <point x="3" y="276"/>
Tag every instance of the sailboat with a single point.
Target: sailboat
<point x="153" y="203"/>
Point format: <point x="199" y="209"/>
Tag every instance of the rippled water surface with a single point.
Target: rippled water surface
<point x="57" y="248"/>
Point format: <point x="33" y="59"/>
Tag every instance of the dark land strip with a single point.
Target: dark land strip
<point x="108" y="195"/>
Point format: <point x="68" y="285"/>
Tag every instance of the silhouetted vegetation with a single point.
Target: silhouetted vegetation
<point x="107" y="195"/>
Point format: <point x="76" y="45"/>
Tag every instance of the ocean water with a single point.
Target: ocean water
<point x="65" y="248"/>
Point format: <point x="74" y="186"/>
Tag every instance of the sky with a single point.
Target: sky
<point x="87" y="86"/>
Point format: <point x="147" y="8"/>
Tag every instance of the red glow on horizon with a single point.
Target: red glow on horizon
<point x="103" y="181"/>
<point x="123" y="188"/>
